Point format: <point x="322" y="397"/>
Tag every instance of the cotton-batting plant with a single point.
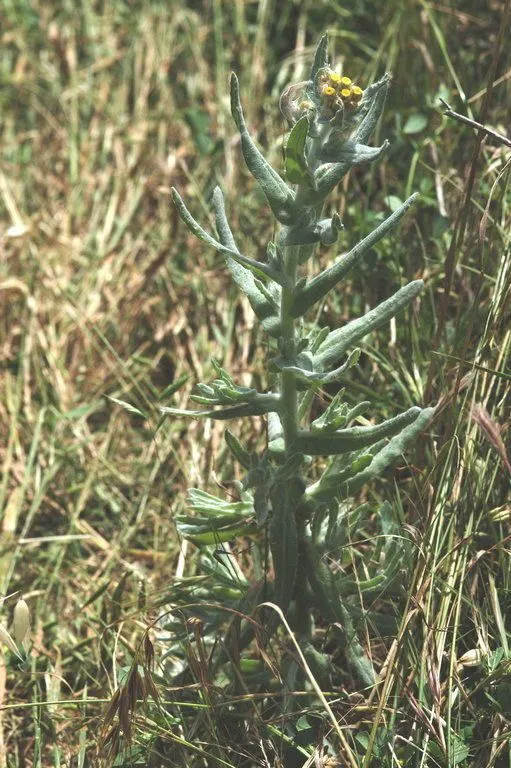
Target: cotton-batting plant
<point x="308" y="523"/>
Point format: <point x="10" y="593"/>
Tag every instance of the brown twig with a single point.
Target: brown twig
<point x="449" y="111"/>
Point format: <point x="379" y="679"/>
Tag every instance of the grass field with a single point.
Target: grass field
<point x="105" y="297"/>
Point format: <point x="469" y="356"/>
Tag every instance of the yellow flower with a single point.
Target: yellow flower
<point x="328" y="91"/>
<point x="345" y="81"/>
<point x="356" y="93"/>
<point x="345" y="93"/>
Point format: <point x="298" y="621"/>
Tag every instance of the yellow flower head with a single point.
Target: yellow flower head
<point x="328" y="91"/>
<point x="345" y="93"/>
<point x="356" y="93"/>
<point x="345" y="82"/>
<point x="334" y="78"/>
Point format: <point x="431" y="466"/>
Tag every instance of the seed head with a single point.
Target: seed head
<point x="21" y="621"/>
<point x="471" y="658"/>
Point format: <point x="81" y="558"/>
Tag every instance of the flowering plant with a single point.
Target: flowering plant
<point x="309" y="524"/>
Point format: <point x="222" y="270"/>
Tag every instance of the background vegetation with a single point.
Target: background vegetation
<point x="104" y="106"/>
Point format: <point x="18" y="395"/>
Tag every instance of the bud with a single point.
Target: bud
<point x="21" y="621"/>
<point x="7" y="640"/>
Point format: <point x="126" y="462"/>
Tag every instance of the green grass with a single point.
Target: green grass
<point x="103" y="107"/>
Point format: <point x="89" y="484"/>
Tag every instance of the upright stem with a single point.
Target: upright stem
<point x="289" y="413"/>
<point x="289" y="418"/>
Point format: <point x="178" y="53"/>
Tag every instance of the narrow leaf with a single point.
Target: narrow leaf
<point x="321" y="285"/>
<point x="265" y="309"/>
<point x="375" y="96"/>
<point x="392" y="451"/>
<point x="211" y="506"/>
<point x="258" y="267"/>
<point x="355" y="438"/>
<point x="237" y="450"/>
<point x="295" y="161"/>
<point x="338" y="341"/>
<point x="347" y="154"/>
<point x="276" y="191"/>
<point x="199" y="535"/>
<point x="319" y="377"/>
<point x="276" y="444"/>
<point x="320" y="58"/>
<point x="263" y="404"/>
<point x="222" y="225"/>
<point x="384" y="458"/>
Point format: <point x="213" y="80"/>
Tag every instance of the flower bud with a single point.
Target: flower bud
<point x="21" y="621"/>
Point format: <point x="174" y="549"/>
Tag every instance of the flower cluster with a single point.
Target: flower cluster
<point x="339" y="90"/>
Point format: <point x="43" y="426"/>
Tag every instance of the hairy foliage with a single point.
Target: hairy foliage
<point x="330" y="120"/>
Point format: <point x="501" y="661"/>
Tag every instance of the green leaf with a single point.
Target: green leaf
<point x="276" y="191"/>
<point x="294" y="152"/>
<point x="315" y="376"/>
<point x="237" y="450"/>
<point x="371" y="108"/>
<point x="264" y="403"/>
<point x="208" y="505"/>
<point x="355" y="438"/>
<point x="338" y="160"/>
<point x="390" y="452"/>
<point x="258" y="267"/>
<point x="320" y="285"/>
<point x="276" y="444"/>
<point x="459" y="751"/>
<point x="214" y="533"/>
<point x="338" y="341"/>
<point x="341" y="484"/>
<point x="85" y="410"/>
<point x="320" y="57"/>
<point x="265" y="306"/>
<point x="361" y="463"/>
<point x="415" y="124"/>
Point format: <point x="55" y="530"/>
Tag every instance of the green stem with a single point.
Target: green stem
<point x="289" y="403"/>
<point x="290" y="421"/>
<point x="303" y="612"/>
